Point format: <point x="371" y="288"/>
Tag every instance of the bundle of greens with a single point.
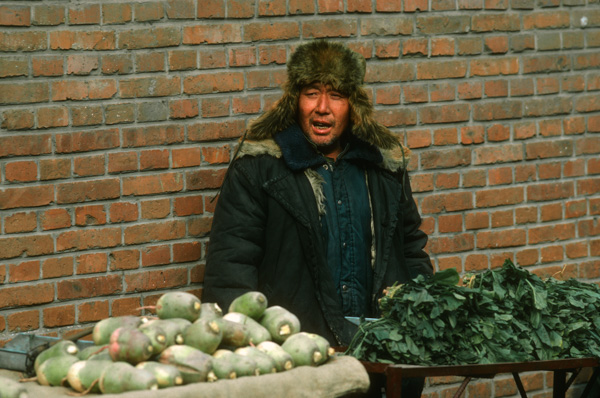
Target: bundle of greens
<point x="502" y="315"/>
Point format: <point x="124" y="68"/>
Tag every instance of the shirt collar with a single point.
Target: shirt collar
<point x="299" y="153"/>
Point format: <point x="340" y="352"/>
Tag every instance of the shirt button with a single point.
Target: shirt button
<point x="345" y="288"/>
<point x="344" y="244"/>
<point x="339" y="202"/>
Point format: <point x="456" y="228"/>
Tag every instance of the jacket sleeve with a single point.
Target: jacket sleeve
<point x="415" y="239"/>
<point x="236" y="241"/>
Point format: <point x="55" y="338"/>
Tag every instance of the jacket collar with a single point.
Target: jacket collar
<point x="299" y="153"/>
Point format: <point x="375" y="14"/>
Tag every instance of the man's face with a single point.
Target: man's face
<point x="323" y="115"/>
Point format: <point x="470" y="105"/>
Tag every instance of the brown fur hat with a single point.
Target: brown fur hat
<point x="328" y="63"/>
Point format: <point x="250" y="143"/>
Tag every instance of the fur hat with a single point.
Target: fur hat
<point x="328" y="63"/>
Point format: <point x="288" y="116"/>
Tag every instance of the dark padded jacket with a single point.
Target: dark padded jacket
<point x="266" y="236"/>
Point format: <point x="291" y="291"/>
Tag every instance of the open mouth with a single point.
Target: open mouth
<point x="321" y="126"/>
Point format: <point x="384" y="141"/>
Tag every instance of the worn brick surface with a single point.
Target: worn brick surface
<point x="118" y="120"/>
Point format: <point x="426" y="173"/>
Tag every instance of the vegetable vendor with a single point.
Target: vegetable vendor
<point x="316" y="211"/>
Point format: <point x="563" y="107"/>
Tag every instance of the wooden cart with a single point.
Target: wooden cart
<point x="395" y="373"/>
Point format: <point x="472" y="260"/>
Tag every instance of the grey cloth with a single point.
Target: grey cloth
<point x="340" y="376"/>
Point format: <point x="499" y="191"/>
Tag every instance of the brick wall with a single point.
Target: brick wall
<point x="118" y="120"/>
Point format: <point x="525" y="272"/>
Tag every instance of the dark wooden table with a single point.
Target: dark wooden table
<point x="560" y="367"/>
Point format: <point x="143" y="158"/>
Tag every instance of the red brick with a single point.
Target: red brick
<point x="154" y="159"/>
<point x="24" y="295"/>
<point x="447" y="158"/>
<point x="303" y="7"/>
<point x="59" y="316"/>
<point x="186" y="252"/>
<point x="82" y="40"/>
<point x="23" y="321"/>
<point x="199" y="227"/>
<point x="21" y="171"/>
<point x="81" y="191"/>
<point x="156" y="279"/>
<point x="155" y="209"/>
<point x="20" y="222"/>
<point x="92" y="311"/>
<point x="24" y="271"/>
<point x="472" y="135"/>
<point x="150" y="87"/>
<point x="500" y="176"/>
<point x="183" y="109"/>
<point x="526" y="215"/>
<point x="550" y="191"/>
<point x="18" y="119"/>
<point x="150" y="232"/>
<point x="551" y="233"/>
<point x="497" y="239"/>
<point x="441" y="70"/>
<point x="445" y="113"/>
<point x="120" y="162"/>
<point x="57" y="267"/>
<point x="449" y="202"/>
<point x="450" y="262"/>
<point x="212" y="34"/>
<point x="23" y="41"/>
<point x="48" y="15"/>
<point x="123" y="212"/>
<point x="478" y="220"/>
<point x="150" y="38"/>
<point x="188" y="205"/>
<point x="442" y="46"/>
<point x="204" y="179"/>
<point x="55" y="219"/>
<point x="87" y="141"/>
<point x="152" y="184"/>
<point x="86" y="115"/>
<point x="450" y="223"/>
<point x="499" y="197"/>
<point x="91" y="263"/>
<point x="85" y="288"/>
<point x="451" y="244"/>
<point x="88" y="239"/>
<point x="497" y="154"/>
<point x="126" y="306"/>
<point x="415" y="47"/>
<point x="90" y="215"/>
<point x="476" y="262"/>
<point x="124" y="259"/>
<point x="52" y="117"/>
<point x="150" y="62"/>
<point x="31" y="196"/>
<point x="152" y="135"/>
<point x="156" y="255"/>
<point x="15" y="16"/>
<point x="474" y="178"/>
<point x="23" y="93"/>
<point x="442" y="92"/>
<point x="502" y="218"/>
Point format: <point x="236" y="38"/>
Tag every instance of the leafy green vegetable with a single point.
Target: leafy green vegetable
<point x="501" y="315"/>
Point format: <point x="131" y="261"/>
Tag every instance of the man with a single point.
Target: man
<point x="316" y="211"/>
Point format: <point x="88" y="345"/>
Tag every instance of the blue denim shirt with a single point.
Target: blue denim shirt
<point x="346" y="224"/>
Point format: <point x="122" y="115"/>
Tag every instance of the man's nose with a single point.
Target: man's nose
<point x="323" y="104"/>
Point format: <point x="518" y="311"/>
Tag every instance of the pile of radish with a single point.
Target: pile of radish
<point x="187" y="342"/>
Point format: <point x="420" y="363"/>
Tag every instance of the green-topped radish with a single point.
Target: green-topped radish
<point x="303" y="349"/>
<point x="265" y="363"/>
<point x="234" y="334"/>
<point x="178" y="305"/>
<point x="104" y="328"/>
<point x="121" y="377"/>
<point x="193" y="364"/>
<point x="242" y="365"/>
<point x="157" y="336"/>
<point x="283" y="360"/>
<point x="10" y="388"/>
<point x="130" y="345"/>
<point x="280" y="322"/>
<point x="252" y="304"/>
<point x="223" y="368"/>
<point x="62" y="347"/>
<point x="172" y="329"/>
<point x="258" y="333"/>
<point x="204" y="335"/>
<point x="94" y="352"/>
<point x="324" y="347"/>
<point x="53" y="371"/>
<point x="210" y="311"/>
<point x="166" y="375"/>
<point x="83" y="376"/>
